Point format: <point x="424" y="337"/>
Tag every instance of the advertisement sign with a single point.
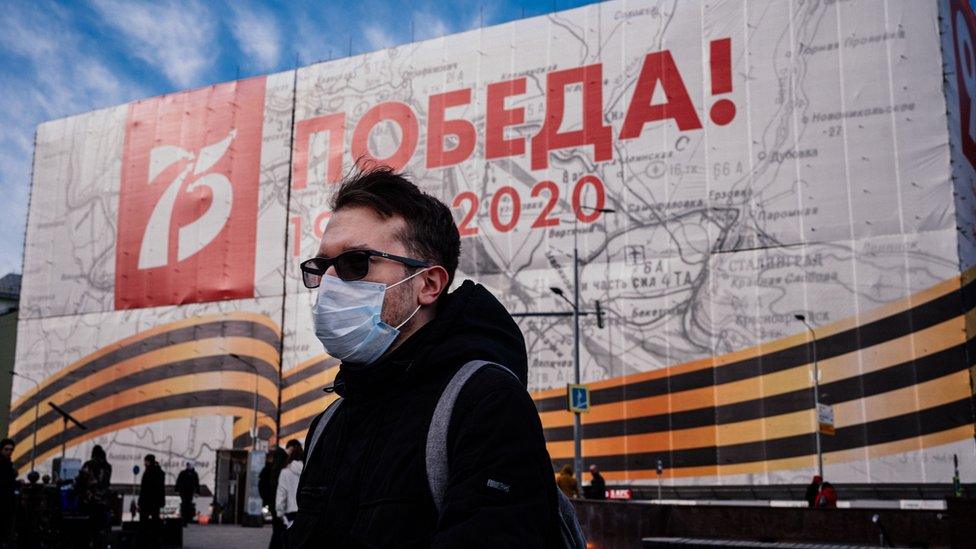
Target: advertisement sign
<point x="716" y="168"/>
<point x="825" y="418"/>
<point x="188" y="200"/>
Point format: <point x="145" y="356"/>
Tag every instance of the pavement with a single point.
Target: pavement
<point x="198" y="536"/>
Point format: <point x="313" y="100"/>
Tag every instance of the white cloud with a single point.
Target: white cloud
<point x="377" y="37"/>
<point x="49" y="72"/>
<point x="177" y="38"/>
<point x="428" y="25"/>
<point x="256" y="33"/>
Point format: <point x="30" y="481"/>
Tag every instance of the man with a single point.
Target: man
<point x="386" y="261"/>
<point x="187" y="486"/>
<point x="152" y="497"/>
<point x="274" y="462"/>
<point x="93" y="486"/>
<point x="8" y="492"/>
<point x="812" y="490"/>
<point x="598" y="487"/>
<point x="286" y="493"/>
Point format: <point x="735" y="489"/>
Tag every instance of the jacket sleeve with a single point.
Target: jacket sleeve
<point x="281" y="495"/>
<point x="501" y="491"/>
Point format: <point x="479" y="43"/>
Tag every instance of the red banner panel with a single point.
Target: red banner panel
<point x="189" y="196"/>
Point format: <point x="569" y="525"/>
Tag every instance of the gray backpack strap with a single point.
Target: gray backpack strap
<point x="437" y="468"/>
<point x="320" y="427"/>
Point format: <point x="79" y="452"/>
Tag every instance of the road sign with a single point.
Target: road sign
<point x="825" y="418"/>
<point x="578" y="397"/>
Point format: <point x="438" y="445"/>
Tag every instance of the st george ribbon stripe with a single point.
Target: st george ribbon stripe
<point x="222" y="328"/>
<point x="170" y="370"/>
<point x="928" y="314"/>
<point x="185" y="401"/>
<point x="902" y="375"/>
<point x="916" y="423"/>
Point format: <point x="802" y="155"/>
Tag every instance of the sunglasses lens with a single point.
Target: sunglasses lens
<point x="312" y="271"/>
<point x="311" y="280"/>
<point x="352" y="265"/>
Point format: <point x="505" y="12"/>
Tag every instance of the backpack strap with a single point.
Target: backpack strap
<point x="320" y="427"/>
<point x="437" y="466"/>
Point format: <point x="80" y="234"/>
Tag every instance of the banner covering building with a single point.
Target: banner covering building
<point x="763" y="160"/>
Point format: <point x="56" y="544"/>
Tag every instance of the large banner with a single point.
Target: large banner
<point x="720" y="168"/>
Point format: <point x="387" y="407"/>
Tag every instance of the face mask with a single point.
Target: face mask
<point x="347" y="319"/>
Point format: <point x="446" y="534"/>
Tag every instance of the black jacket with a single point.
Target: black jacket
<point x="152" y="490"/>
<point x="8" y="485"/>
<point x="187" y="483"/>
<point x="268" y="485"/>
<point x="365" y="485"/>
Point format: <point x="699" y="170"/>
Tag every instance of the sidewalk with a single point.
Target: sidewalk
<point x="197" y="536"/>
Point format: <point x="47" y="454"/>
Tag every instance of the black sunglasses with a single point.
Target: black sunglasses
<point x="351" y="265"/>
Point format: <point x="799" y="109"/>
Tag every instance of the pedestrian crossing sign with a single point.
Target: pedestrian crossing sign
<point x="578" y="398"/>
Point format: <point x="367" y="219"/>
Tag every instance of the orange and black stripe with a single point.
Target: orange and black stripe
<point x="901" y="374"/>
<point x="179" y="369"/>
<point x="898" y="377"/>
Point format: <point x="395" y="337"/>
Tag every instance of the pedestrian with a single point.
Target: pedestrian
<point x="387" y="258"/>
<point x="827" y="498"/>
<point x="812" y="490"/>
<point x="598" y="486"/>
<point x="30" y="514"/>
<point x="567" y="482"/>
<point x="93" y="488"/>
<point x="286" y="494"/>
<point x="8" y="492"/>
<point x="152" y="497"/>
<point x="187" y="486"/>
<point x="268" y="489"/>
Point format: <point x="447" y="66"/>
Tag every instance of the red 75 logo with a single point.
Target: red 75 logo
<point x="188" y="196"/>
<point x="963" y="24"/>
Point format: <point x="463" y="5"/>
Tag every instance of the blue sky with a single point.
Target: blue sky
<point x="60" y="59"/>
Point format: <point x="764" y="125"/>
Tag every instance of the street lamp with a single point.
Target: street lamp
<point x="254" y="425"/>
<point x="37" y="400"/>
<point x="816" y="391"/>
<point x="577" y="429"/>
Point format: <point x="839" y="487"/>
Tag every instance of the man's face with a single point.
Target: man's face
<point x="7" y="451"/>
<point x="146" y="463"/>
<point x="360" y="228"/>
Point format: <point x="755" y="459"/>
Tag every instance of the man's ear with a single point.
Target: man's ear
<point x="434" y="284"/>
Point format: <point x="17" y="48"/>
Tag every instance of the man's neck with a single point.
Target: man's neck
<point x="424" y="316"/>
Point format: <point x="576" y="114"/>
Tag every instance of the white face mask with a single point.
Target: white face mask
<point x="347" y="319"/>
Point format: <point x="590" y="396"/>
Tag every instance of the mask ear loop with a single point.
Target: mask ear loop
<point x="408" y="278"/>
<point x="400" y="325"/>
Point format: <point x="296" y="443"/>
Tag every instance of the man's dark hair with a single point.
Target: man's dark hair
<point x="98" y="453"/>
<point x="430" y="230"/>
<point x="150" y="458"/>
<point x="297" y="453"/>
<point x="7" y="442"/>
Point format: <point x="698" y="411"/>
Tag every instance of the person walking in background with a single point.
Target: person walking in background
<point x="812" y="490"/>
<point x="8" y="492"/>
<point x="598" y="486"/>
<point x="268" y="489"/>
<point x="567" y="482"/>
<point x="827" y="498"/>
<point x="187" y="486"/>
<point x="286" y="495"/>
<point x="93" y="487"/>
<point x="152" y="496"/>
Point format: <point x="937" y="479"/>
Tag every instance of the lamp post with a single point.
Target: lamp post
<point x="254" y="425"/>
<point x="577" y="428"/>
<point x="816" y="391"/>
<point x="37" y="400"/>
